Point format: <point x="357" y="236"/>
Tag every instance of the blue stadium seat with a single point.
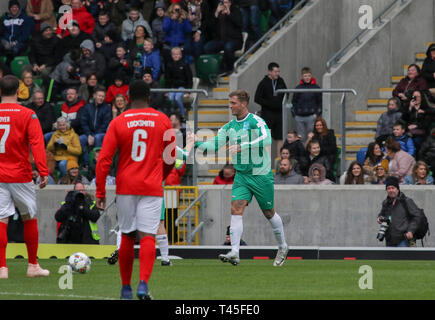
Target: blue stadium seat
<point x="361" y="155"/>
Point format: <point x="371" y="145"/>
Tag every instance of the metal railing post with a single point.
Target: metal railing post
<point x="343" y="113"/>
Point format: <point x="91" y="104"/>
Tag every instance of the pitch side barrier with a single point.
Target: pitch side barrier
<point x="286" y="105"/>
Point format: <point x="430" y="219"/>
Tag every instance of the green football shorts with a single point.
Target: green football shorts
<point x="260" y="186"/>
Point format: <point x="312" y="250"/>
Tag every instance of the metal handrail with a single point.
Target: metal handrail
<point x="267" y="35"/>
<point x="185" y="212"/>
<point x="343" y="114"/>
<point x="338" y="55"/>
<point x="195" y="120"/>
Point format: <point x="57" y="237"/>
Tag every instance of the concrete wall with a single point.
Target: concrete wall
<point x="312" y="215"/>
<point x="383" y="53"/>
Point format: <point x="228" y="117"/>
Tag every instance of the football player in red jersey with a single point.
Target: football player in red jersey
<point x="19" y="130"/>
<point x="146" y="144"/>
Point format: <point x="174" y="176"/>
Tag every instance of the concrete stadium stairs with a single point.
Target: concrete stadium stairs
<point x="361" y="132"/>
<point x="213" y="113"/>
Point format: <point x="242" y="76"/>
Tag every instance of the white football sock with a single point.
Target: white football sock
<point x="118" y="239"/>
<point x="162" y="242"/>
<point x="278" y="229"/>
<point x="236" y="230"/>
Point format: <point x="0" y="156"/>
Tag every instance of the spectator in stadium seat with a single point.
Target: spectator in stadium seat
<point x="135" y="49"/>
<point x="380" y="174"/>
<point x="102" y="27"/>
<point x="91" y="61"/>
<point x="226" y="175"/>
<point x="180" y="130"/>
<point x="401" y="162"/>
<point x="294" y="144"/>
<point x="71" y="107"/>
<point x="27" y="87"/>
<point x="307" y="106"/>
<point x="387" y="120"/>
<point x="158" y="100"/>
<point x="119" y="105"/>
<point x="42" y="11"/>
<point x="428" y="69"/>
<point x="418" y="118"/>
<point x="420" y="174"/>
<point x="427" y="151"/>
<point x="94" y="118"/>
<point x="108" y="46"/>
<point x="157" y="25"/>
<point x="250" y="17"/>
<point x="401" y="136"/>
<point x="72" y="41"/>
<point x="317" y="175"/>
<point x="87" y="88"/>
<point x="228" y="19"/>
<point x="228" y="239"/>
<point x="285" y="153"/>
<point x="65" y="74"/>
<point x="195" y="42"/>
<point x="130" y="24"/>
<point x="73" y="174"/>
<point x="326" y="138"/>
<point x="314" y="155"/>
<point x="84" y="19"/>
<point x="17" y="28"/>
<point x="64" y="144"/>
<point x="413" y="81"/>
<point x="118" y="87"/>
<point x="178" y="75"/>
<point x="374" y="156"/>
<point x="121" y="63"/>
<point x="151" y="58"/>
<point x="37" y="178"/>
<point x="271" y="105"/>
<point x="286" y="174"/>
<point x="354" y="174"/>
<point x="116" y="9"/>
<point x="44" y="112"/>
<point x="146" y="7"/>
<point x="43" y="48"/>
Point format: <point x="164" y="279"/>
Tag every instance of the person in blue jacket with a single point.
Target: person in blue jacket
<point x="17" y="27"/>
<point x="151" y="58"/>
<point x="94" y="118"/>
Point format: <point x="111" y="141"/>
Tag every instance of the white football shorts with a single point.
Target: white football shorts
<point x="21" y="195"/>
<point x="140" y="213"/>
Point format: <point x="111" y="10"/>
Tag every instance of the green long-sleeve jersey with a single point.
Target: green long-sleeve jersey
<point x="253" y="136"/>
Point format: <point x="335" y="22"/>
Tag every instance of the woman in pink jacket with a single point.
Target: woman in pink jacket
<point x="401" y="162"/>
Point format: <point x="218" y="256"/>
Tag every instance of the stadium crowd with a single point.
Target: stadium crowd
<point x="80" y="57"/>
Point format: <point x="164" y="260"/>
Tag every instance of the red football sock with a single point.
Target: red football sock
<point x="3" y="243"/>
<point x="31" y="239"/>
<point x="147" y="256"/>
<point x="126" y="258"/>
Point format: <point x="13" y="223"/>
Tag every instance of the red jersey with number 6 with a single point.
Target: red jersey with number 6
<point x="20" y="132"/>
<point x="145" y="141"/>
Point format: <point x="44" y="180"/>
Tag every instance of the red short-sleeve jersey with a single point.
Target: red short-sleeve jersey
<point x="144" y="138"/>
<point x="20" y="132"/>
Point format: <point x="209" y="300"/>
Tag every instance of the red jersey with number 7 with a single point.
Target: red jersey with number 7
<point x="20" y="132"/>
<point x="144" y="138"/>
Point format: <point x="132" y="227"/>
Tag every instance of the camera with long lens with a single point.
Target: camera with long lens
<point x="68" y="229"/>
<point x="385" y="223"/>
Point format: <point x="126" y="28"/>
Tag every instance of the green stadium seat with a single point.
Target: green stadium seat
<point x="335" y="170"/>
<point x="18" y="63"/>
<point x="207" y="67"/>
<point x="3" y="59"/>
<point x="58" y="109"/>
<point x="38" y="82"/>
<point x="264" y="21"/>
<point x="162" y="81"/>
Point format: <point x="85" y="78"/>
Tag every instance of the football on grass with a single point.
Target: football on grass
<point x="79" y="262"/>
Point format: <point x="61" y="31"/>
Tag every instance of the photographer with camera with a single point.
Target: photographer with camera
<point x="400" y="218"/>
<point x="77" y="217"/>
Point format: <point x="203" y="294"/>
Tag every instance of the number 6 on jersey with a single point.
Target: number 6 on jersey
<point x="138" y="148"/>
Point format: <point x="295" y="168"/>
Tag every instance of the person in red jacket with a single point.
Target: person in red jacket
<point x="226" y="175"/>
<point x="119" y="87"/>
<point x="20" y="132"/>
<point x="81" y="15"/>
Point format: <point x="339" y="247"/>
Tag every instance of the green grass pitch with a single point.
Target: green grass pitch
<point x="213" y="280"/>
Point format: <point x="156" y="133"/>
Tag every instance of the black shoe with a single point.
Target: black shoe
<point x="166" y="263"/>
<point x="113" y="257"/>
